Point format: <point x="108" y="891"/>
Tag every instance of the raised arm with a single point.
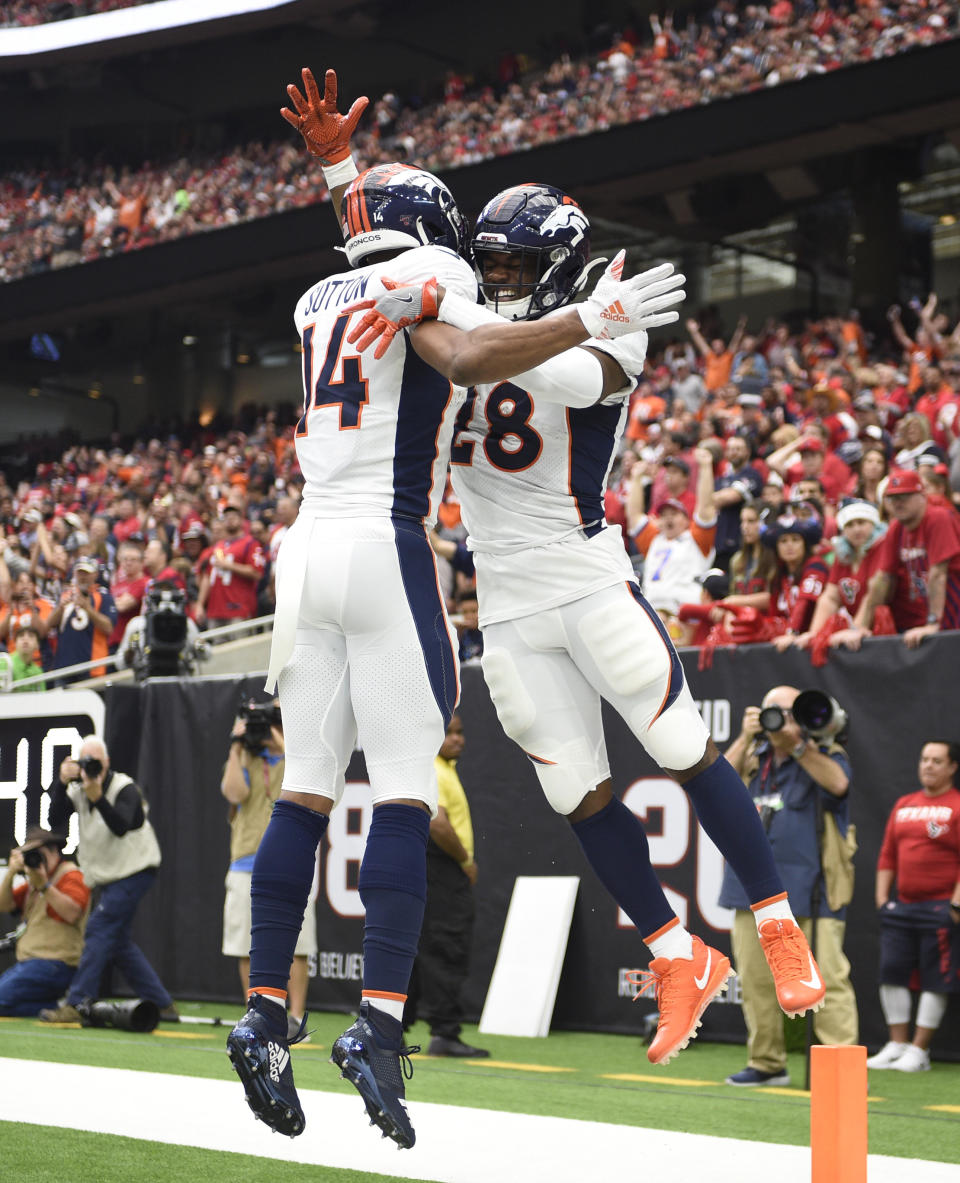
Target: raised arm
<point x="325" y="131"/>
<point x="693" y="328"/>
<point x="737" y="335"/>
<point x="704" y="509"/>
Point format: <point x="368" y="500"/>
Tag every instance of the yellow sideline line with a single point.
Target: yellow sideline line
<point x="944" y="1108"/>
<point x="182" y="1034"/>
<point x="507" y="1064"/>
<point x="657" y="1079"/>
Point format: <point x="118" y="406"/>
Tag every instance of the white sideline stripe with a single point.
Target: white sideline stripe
<point x="454" y="1144"/>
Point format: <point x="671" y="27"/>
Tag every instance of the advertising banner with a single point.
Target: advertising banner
<point x="172" y="735"/>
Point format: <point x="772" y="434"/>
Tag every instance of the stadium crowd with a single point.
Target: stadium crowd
<point x="42" y="12"/>
<point x="62" y="215"/>
<point x="763" y="480"/>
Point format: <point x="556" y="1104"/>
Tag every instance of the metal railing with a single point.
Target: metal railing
<point x="236" y="630"/>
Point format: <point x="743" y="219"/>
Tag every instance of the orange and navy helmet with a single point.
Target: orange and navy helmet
<point x="547" y="235"/>
<point x="393" y="207"/>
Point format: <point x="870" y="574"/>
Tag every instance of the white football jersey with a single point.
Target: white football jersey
<point x="531" y="479"/>
<point x="374" y="437"/>
<point x="671" y="569"/>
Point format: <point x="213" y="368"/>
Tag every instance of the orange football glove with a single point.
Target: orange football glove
<point x="402" y="305"/>
<point x="325" y="131"/>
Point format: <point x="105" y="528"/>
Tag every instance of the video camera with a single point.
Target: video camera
<point x="259" y="717"/>
<point x="163" y="647"/>
<point x="816" y="714"/>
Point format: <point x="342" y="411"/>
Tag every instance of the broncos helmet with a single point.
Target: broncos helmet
<point x="548" y="233"/>
<point x="393" y="207"/>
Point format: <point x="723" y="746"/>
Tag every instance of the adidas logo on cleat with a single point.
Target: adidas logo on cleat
<point x="279" y="1058"/>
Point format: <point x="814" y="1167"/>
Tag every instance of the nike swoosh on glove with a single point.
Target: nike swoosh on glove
<point x="325" y="131"/>
<point x="398" y="308"/>
<point x="619" y="306"/>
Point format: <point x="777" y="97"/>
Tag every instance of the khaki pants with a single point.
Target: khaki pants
<point x="835" y="1023"/>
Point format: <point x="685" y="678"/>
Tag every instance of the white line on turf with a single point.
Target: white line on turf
<point x="454" y="1144"/>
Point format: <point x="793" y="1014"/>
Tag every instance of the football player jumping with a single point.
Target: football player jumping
<point x="361" y="644"/>
<point x="529" y="463"/>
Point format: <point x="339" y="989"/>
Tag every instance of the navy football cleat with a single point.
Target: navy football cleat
<point x="376" y="1065"/>
<point x="260" y="1052"/>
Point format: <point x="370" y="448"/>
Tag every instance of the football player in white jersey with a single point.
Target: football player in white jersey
<point x="362" y="647"/>
<point x="529" y="463"/>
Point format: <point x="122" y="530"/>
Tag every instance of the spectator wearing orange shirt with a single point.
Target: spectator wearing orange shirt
<point x="717" y="356"/>
<point x="919" y="353"/>
<point x="646" y="408"/>
<point x="54" y="902"/>
<point x="25" y="608"/>
<point x="129" y="201"/>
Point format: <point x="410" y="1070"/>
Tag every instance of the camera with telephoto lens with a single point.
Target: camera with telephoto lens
<point x="259" y="717"/>
<point x="33" y="858"/>
<point x="90" y="766"/>
<point x="816" y="714"/>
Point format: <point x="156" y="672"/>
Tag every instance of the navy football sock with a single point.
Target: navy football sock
<point x="282" y="875"/>
<point x="393" y="888"/>
<point x="728" y="814"/>
<point x="615" y="844"/>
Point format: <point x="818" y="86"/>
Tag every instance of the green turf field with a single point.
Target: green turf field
<point x="569" y="1074"/>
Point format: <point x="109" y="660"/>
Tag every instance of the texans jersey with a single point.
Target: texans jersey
<point x="374" y="436"/>
<point x="530" y="477"/>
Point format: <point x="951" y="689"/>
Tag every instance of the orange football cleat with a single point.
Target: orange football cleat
<point x="796" y="975"/>
<point x="684" y="989"/>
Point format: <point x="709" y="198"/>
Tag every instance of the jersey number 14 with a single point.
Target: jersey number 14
<point x="349" y="392"/>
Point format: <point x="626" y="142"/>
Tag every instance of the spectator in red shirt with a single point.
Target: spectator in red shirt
<point x="125" y="521"/>
<point x="156" y="563"/>
<point x="935" y="394"/>
<point x="229" y="592"/>
<point x="835" y="476"/>
<point x="800" y="577"/>
<point x="918" y="570"/>
<point x="675" y="486"/>
<point x="127" y="589"/>
<point x="856" y="556"/>
<point x="920" y="929"/>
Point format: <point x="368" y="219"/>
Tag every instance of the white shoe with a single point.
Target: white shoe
<point x="914" y="1059"/>
<point x="887" y="1056"/>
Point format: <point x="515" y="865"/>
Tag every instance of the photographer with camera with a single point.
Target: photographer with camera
<point x="799" y="778"/>
<point x="252" y="780"/>
<point x="53" y="905"/>
<point x="120" y="856"/>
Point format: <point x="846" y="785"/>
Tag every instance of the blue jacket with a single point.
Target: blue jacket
<point x="790" y="794"/>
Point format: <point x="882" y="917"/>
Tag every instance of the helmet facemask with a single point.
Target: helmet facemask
<point x="546" y="236"/>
